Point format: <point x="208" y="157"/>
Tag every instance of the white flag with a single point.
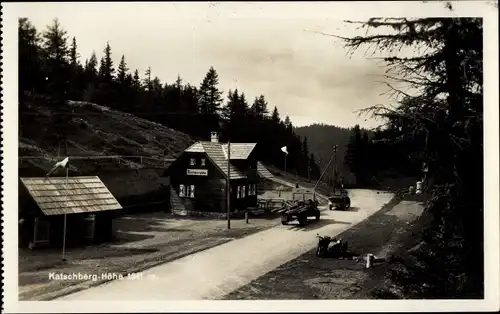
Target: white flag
<point x="283" y="149"/>
<point x="61" y="164"/>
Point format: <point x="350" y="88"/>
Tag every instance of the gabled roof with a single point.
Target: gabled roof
<point x="239" y="150"/>
<point x="58" y="195"/>
<point x="195" y="148"/>
<point x="216" y="155"/>
<point x="263" y="172"/>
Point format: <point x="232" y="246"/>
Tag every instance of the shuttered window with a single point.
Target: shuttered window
<point x="187" y="190"/>
<point x="251" y="189"/>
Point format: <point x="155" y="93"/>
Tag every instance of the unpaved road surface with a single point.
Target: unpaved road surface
<point x="393" y="229"/>
<point x="216" y="272"/>
<point x="143" y="241"/>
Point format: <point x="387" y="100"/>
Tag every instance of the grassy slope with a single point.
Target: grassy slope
<point x="98" y="131"/>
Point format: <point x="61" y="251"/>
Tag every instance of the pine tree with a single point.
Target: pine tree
<point x="259" y="107"/>
<point x="313" y="168"/>
<point x="354" y="153"/>
<point x="122" y="70"/>
<point x="210" y="97"/>
<point x="102" y="68"/>
<point x="31" y="76"/>
<point x="76" y="72"/>
<point x="108" y="70"/>
<point x="156" y="86"/>
<point x="304" y="158"/>
<point x="190" y="97"/>
<point x="442" y="120"/>
<point x="275" y="117"/>
<point x="56" y="55"/>
<point x="91" y="67"/>
<point x="147" y="79"/>
<point x="209" y="102"/>
<point x="55" y="44"/>
<point x="136" y="82"/>
<point x="288" y="125"/>
<point x="178" y="83"/>
<point x="73" y="55"/>
<point x="58" y="76"/>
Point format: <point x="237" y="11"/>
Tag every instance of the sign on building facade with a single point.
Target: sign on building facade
<point x="197" y="172"/>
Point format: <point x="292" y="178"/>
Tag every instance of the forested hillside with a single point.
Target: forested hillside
<point x="50" y="65"/>
<point x="321" y="139"/>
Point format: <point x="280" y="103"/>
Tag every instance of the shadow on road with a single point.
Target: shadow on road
<point x="312" y="225"/>
<point x="352" y="209"/>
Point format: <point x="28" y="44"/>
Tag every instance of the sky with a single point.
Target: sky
<point x="259" y="48"/>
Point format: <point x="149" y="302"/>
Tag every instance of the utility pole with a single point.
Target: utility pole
<point x="285" y="163"/>
<point x="334" y="168"/>
<point x="64" y="224"/>
<point x="309" y="172"/>
<point x="228" y="185"/>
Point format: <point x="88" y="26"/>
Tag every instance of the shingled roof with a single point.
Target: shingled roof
<point x="263" y="172"/>
<point x="58" y="195"/>
<point x="239" y="150"/>
<point x="195" y="148"/>
<point x="215" y="153"/>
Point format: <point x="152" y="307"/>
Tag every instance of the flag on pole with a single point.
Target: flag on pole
<point x="284" y="149"/>
<point x="60" y="164"/>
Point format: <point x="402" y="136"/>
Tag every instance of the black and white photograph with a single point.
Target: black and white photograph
<point x="263" y="156"/>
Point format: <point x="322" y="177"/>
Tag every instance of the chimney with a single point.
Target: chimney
<point x="214" y="137"/>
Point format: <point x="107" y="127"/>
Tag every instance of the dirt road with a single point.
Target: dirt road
<point x="389" y="231"/>
<point x="142" y="241"/>
<point x="214" y="273"/>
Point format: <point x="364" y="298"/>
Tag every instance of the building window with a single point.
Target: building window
<point x="186" y="190"/>
<point x="238" y="192"/>
<point x="192" y="161"/>
<point x="251" y="189"/>
<point x="243" y="191"/>
<point x="203" y="161"/>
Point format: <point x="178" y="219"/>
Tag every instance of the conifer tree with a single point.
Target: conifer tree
<point x="442" y="120"/>
<point x="91" y="67"/>
<point x="31" y="76"/>
<point x="122" y="70"/>
<point x="210" y="97"/>
<point x="108" y="70"/>
<point x="275" y="117"/>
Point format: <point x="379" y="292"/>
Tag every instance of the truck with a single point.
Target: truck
<point x="302" y="206"/>
<point x="300" y="211"/>
<point x="339" y="200"/>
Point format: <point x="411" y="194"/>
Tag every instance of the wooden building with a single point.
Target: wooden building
<point x="198" y="178"/>
<point x="88" y="204"/>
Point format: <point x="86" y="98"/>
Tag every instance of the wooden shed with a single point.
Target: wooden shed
<point x="43" y="202"/>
